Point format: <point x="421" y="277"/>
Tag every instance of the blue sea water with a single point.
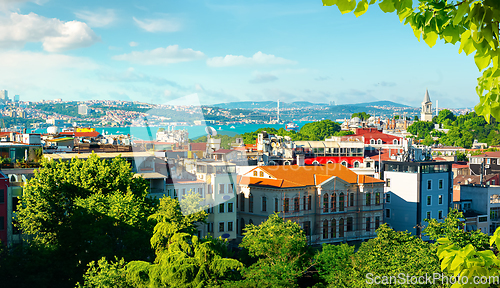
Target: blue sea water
<point x="149" y="133"/>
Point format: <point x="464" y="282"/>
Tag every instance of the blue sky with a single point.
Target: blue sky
<point x="158" y="51"/>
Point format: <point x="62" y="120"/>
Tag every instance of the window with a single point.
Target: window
<point x="255" y="173"/>
<point x="351" y="199"/>
<point x="2" y="223"/>
<point x="2" y="196"/>
<point x="261" y="174"/>
<point x="368" y="165"/>
<point x="334" y="202"/>
<point x="169" y="193"/>
<point x="377" y="222"/>
<point x="309" y="202"/>
<point x="368" y="224"/>
<point x="230" y="226"/>
<point x="440" y="199"/>
<point x="377" y="198"/>
<point x="286" y="205"/>
<point x="221" y="208"/>
<point x="307" y="228"/>
<point x="429" y="184"/>
<point x="440" y="214"/>
<point x="388" y="182"/>
<point x="344" y="163"/>
<point x="175" y="192"/>
<point x="276" y="205"/>
<point x="395" y="142"/>
<point x="242" y="227"/>
<point x="250" y="203"/>
<point x="349" y="224"/>
<point x="230" y="188"/>
<point x="183" y="192"/>
<point x="388" y="198"/>
<point x="429" y="200"/>
<point x="325" y="229"/>
<point x="296" y="205"/>
<point x="230" y="207"/>
<point x="242" y="202"/>
<point x="221" y="226"/>
<point x="221" y="188"/>
<point x="325" y="203"/>
<point x="488" y="161"/>
<point x="387" y="213"/>
<point x="440" y="183"/>
<point x="333" y="229"/>
<point x="210" y="227"/>
<point x="341" y="202"/>
<point x="264" y="204"/>
<point x="356" y="164"/>
<point x="368" y="199"/>
<point x="428" y="215"/>
<point x="379" y="141"/>
<point x="372" y="141"/>
<point x="210" y="189"/>
<point x="305" y="203"/>
<point x="200" y="192"/>
<point x="341" y="227"/>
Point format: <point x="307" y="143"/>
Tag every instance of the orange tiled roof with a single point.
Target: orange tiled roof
<point x="299" y="176"/>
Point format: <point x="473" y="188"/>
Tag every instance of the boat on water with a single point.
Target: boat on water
<point x="220" y="128"/>
<point x="290" y="126"/>
<point x="232" y="127"/>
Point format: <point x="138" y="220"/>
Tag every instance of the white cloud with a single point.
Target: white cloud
<point x="133" y="44"/>
<point x="97" y="19"/>
<point x="162" y="56"/>
<point x="159" y="25"/>
<point x="258" y="58"/>
<point x="263" y="78"/>
<point x="6" y="5"/>
<point x="54" y="34"/>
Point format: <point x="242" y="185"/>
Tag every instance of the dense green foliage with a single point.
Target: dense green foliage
<point x="79" y="211"/>
<point x="361" y="115"/>
<point x="472" y="23"/>
<point x="421" y="129"/>
<point x="226" y="140"/>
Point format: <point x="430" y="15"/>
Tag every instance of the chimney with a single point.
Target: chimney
<point x="300" y="159"/>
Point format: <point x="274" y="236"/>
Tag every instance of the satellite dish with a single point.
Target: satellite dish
<point x="210" y="131"/>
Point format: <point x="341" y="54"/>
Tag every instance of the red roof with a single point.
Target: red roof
<point x="373" y="133"/>
<point x="81" y="134"/>
<point x="495" y="154"/>
<point x="384" y="155"/>
<point x="458" y="166"/>
<point x="198" y="146"/>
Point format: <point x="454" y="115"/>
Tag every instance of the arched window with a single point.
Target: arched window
<point x="351" y="199"/>
<point x="334" y="200"/>
<point x="250" y="221"/>
<point x="334" y="229"/>
<point x="296" y="204"/>
<point x="305" y="203"/>
<point x="325" y="203"/>
<point x="329" y="162"/>
<point x="377" y="222"/>
<point x="377" y="198"/>
<point x="372" y="141"/>
<point x="368" y="199"/>
<point x="368" y="164"/>
<point x="250" y="203"/>
<point x="325" y="229"/>
<point x="356" y="164"/>
<point x="349" y="224"/>
<point x="379" y="141"/>
<point x="395" y="141"/>
<point x="272" y="163"/>
<point x="341" y="201"/>
<point x="315" y="162"/>
<point x="341" y="227"/>
<point x="242" y="202"/>
<point x="287" y="163"/>
<point x="344" y="163"/>
<point x="13" y="178"/>
<point x="286" y="205"/>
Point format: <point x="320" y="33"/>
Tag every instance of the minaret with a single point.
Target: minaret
<point x="278" y="110"/>
<point x="426" y="114"/>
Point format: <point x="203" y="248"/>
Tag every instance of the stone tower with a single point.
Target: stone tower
<point x="426" y="114"/>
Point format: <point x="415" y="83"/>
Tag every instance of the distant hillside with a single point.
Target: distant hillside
<point x="298" y="104"/>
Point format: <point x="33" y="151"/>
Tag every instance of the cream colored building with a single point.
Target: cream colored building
<point x="331" y="203"/>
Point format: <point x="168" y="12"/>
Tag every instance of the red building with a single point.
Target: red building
<point x="375" y="136"/>
<point x="4" y="184"/>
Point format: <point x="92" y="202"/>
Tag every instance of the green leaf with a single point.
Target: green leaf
<point x="430" y="38"/>
<point x="463" y="8"/>
<point x="346" y="6"/>
<point x="372" y="2"/>
<point x="417" y="33"/>
<point x="387" y="6"/>
<point x="361" y="9"/>
<point x="482" y="60"/>
<point x="329" y="2"/>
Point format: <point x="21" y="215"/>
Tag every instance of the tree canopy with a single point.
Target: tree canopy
<point x="472" y="23"/>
